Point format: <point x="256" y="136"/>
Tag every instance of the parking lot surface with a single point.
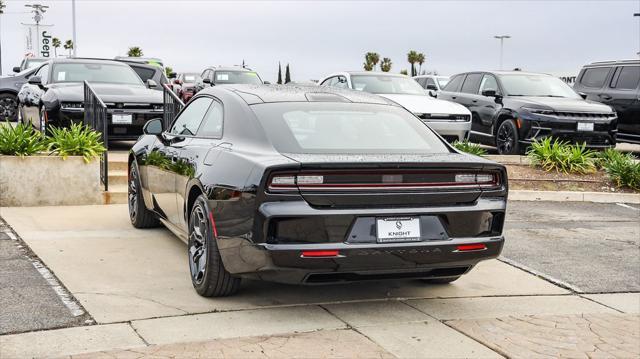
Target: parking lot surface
<point x="135" y="285"/>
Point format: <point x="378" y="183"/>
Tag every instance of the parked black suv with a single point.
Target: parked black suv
<point x="617" y="84"/>
<point x="511" y="109"/>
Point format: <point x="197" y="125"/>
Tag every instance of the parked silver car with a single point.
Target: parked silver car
<point x="450" y="120"/>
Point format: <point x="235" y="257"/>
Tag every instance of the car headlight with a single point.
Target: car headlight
<point x="539" y="111"/>
<point x="158" y="107"/>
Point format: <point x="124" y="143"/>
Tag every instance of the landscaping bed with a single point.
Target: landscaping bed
<point x="525" y="177"/>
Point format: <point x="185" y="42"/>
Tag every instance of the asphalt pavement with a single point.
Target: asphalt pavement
<point x="31" y="298"/>
<point x="590" y="247"/>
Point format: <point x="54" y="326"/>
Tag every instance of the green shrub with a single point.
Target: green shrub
<point x="562" y="157"/>
<point x="622" y="169"/>
<point x="78" y="140"/>
<point x="610" y="155"/>
<point x="470" y="148"/>
<point x="21" y="140"/>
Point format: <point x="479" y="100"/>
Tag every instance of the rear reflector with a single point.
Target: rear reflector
<point x="330" y="253"/>
<point x="471" y="247"/>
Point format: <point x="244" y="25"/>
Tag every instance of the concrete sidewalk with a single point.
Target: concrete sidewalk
<point x="135" y="285"/>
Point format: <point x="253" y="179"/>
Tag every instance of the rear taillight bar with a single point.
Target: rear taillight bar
<point x="332" y="180"/>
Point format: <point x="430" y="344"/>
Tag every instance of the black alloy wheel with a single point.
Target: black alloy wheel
<point x="139" y="215"/>
<point x="507" y="139"/>
<point x="8" y="107"/>
<point x="208" y="275"/>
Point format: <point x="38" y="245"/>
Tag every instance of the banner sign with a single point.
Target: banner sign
<point x="37" y="40"/>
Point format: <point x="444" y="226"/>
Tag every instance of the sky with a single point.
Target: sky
<point x="320" y="37"/>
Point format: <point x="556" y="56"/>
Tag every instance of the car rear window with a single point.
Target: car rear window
<point x="307" y="127"/>
<point x="627" y="78"/>
<point x="594" y="77"/>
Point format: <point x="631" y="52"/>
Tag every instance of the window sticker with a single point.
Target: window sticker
<point x="61" y="76"/>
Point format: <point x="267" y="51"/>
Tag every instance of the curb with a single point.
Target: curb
<point x="568" y="196"/>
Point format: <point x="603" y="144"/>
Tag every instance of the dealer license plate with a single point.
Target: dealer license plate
<point x="585" y="126"/>
<point x="121" y="119"/>
<point x="405" y="229"/>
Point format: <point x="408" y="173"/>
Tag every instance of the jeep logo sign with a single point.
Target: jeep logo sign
<point x="45" y="44"/>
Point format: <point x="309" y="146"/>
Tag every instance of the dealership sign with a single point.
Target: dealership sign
<point x="37" y="40"/>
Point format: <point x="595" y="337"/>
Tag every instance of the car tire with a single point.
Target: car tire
<point x="441" y="280"/>
<point x="8" y="107"/>
<point x="507" y="139"/>
<point x="208" y="274"/>
<point x="139" y="215"/>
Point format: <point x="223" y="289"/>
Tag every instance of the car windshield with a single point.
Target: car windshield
<point x="191" y="77"/>
<point x="236" y="77"/>
<point x="442" y="81"/>
<point x="31" y="63"/>
<point x="95" y="72"/>
<point x="384" y="84"/>
<point x="536" y="85"/>
<point x="343" y="128"/>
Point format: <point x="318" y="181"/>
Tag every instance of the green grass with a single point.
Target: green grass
<point x="470" y="148"/>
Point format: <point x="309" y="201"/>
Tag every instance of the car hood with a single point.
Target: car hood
<point x="563" y="104"/>
<point x="427" y="104"/>
<point x="74" y="92"/>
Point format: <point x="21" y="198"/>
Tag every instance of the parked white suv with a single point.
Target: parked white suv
<point x="449" y="119"/>
<point x="432" y="83"/>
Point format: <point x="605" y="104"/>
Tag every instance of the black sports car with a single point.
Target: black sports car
<point x="313" y="185"/>
<point x="54" y="95"/>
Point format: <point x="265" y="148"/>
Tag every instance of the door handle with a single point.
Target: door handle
<point x="474" y="101"/>
<point x="605" y="96"/>
<point x="454" y="97"/>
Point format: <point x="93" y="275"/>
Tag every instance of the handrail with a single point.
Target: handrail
<point x="172" y="105"/>
<point x="95" y="116"/>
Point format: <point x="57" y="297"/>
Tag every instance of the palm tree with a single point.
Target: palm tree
<point x="168" y="71"/>
<point x="412" y="57"/>
<point x="68" y="45"/>
<point x="371" y="58"/>
<point x="55" y="42"/>
<point x="420" y="59"/>
<point x="135" y="51"/>
<point x="368" y="66"/>
<point x="385" y="65"/>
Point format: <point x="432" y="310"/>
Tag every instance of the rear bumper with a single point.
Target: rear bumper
<point x="451" y="130"/>
<point x="351" y="232"/>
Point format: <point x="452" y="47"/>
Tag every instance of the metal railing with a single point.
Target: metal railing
<point x="172" y="106"/>
<point x="95" y="116"/>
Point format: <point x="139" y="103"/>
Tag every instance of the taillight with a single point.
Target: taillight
<point x="383" y="179"/>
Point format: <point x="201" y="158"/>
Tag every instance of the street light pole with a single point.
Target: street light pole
<point x="2" y="6"/>
<point x="502" y="37"/>
<point x="637" y="14"/>
<point x="73" y="22"/>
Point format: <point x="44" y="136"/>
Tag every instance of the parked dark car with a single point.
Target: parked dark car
<point x="186" y="85"/>
<point x="617" y="84"/>
<point x="511" y="109"/>
<point x="54" y="96"/>
<point x="313" y="185"/>
<point x="149" y="72"/>
<point x="226" y="75"/>
<point x="9" y="88"/>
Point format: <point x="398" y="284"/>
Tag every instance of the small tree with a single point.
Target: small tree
<point x="412" y="58"/>
<point x="279" y="74"/>
<point x="68" y="45"/>
<point x="420" y="59"/>
<point x="169" y="72"/>
<point x="385" y="65"/>
<point x="55" y="43"/>
<point x="404" y="72"/>
<point x="135" y="51"/>
<point x="368" y="66"/>
<point x="287" y="75"/>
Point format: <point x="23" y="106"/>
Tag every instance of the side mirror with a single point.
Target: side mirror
<point x="433" y="94"/>
<point x="16" y="69"/>
<point x="35" y="80"/>
<point x="153" y="127"/>
<point x="583" y="95"/>
<point x="151" y="84"/>
<point x="432" y="87"/>
<point x="489" y="93"/>
<point x="207" y="81"/>
<point x="266" y="82"/>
